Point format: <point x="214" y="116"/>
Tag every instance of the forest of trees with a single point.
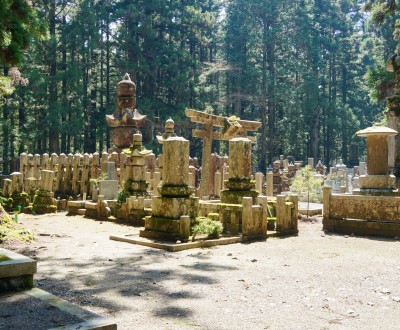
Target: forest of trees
<point x="307" y="69"/>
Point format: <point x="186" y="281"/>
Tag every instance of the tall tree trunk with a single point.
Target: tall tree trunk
<point x="53" y="115"/>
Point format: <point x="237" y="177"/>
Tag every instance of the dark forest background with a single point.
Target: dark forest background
<point x="308" y="70"/>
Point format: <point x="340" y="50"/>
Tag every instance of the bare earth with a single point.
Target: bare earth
<point x="313" y="281"/>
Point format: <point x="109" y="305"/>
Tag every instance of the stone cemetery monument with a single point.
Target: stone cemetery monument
<point x="126" y="119"/>
<point x="231" y="127"/>
<point x="373" y="208"/>
<point x="173" y="210"/>
<point x="239" y="184"/>
<point x="378" y="180"/>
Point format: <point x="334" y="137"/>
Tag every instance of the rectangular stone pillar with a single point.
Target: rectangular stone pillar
<point x="108" y="170"/>
<point x="58" y="187"/>
<point x="36" y="166"/>
<point x="85" y="175"/>
<point x="16" y="183"/>
<point x="294" y="198"/>
<point x="259" y="182"/>
<point x="247" y="216"/>
<point x="281" y="223"/>
<point x="217" y="184"/>
<point x="156" y="182"/>
<point x="75" y="173"/>
<point x="327" y="191"/>
<point x="270" y="184"/>
<point x="46" y="180"/>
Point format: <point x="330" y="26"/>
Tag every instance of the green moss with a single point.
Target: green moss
<point x="207" y="226"/>
<point x="4" y="258"/>
<point x="12" y="231"/>
<point x="240" y="184"/>
<point x="175" y="191"/>
<point x="236" y="196"/>
<point x="135" y="188"/>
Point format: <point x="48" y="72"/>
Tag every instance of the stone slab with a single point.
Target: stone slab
<point x="77" y="204"/>
<point x="362" y="227"/>
<point x="81" y="211"/>
<point x="377" y="182"/>
<point x="109" y="189"/>
<point x="174" y="247"/>
<point x="51" y="312"/>
<point x="18" y="265"/>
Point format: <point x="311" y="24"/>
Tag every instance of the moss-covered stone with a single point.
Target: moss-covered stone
<point x="17" y="283"/>
<point x="236" y="196"/>
<point x="162" y="224"/>
<point x="175" y="191"/>
<point x="135" y="188"/>
<point x="43" y="203"/>
<point x="240" y="184"/>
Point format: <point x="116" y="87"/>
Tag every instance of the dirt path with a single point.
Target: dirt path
<point x="313" y="281"/>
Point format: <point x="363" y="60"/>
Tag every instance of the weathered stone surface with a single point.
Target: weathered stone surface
<point x="377" y="182"/>
<point x="240" y="158"/>
<point x="109" y="189"/>
<point x="16" y="182"/>
<point x="367" y="215"/>
<point x="171" y="207"/>
<point x="176" y="162"/>
<point x="236" y="196"/>
<point x="46" y="180"/>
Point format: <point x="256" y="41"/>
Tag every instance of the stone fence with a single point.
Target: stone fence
<point x="360" y="214"/>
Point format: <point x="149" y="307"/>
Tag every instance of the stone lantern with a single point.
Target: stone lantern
<point x="378" y="181"/>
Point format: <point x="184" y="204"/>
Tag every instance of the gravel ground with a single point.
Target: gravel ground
<point x="316" y="280"/>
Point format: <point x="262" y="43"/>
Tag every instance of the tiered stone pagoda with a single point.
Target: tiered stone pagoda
<point x="126" y="119"/>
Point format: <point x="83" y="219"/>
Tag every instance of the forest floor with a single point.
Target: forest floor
<point x="316" y="280"/>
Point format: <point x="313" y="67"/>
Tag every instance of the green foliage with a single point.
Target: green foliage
<point x="204" y="225"/>
<point x="6" y="87"/>
<point x="12" y="231"/>
<point x="307" y="186"/>
<point x="19" y="23"/>
<point x="298" y="67"/>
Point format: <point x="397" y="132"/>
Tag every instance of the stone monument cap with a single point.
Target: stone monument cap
<point x="169" y="123"/>
<point x="240" y="139"/>
<point x="176" y="138"/>
<point x="376" y="129"/>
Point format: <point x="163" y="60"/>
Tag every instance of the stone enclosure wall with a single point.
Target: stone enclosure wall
<point x="360" y="214"/>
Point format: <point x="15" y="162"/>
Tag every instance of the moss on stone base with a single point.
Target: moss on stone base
<point x="236" y="196"/>
<point x="43" y="203"/>
<point x="175" y="191"/>
<point x="16" y="283"/>
<point x="162" y="224"/>
<point x="240" y="184"/>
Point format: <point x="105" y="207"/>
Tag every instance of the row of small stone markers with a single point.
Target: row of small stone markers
<point x="72" y="173"/>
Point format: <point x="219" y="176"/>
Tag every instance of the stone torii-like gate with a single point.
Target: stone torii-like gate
<point x="231" y="127"/>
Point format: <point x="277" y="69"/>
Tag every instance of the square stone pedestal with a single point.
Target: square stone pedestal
<point x="166" y="221"/>
<point x="376" y="185"/>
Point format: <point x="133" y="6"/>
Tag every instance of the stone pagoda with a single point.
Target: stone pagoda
<point x="126" y="119"/>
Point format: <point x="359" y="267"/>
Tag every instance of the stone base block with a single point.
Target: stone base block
<point x="175" y="191"/>
<point x="174" y="208"/>
<point x="16" y="271"/>
<point x="377" y="182"/>
<point x="236" y="196"/>
<point x="162" y="224"/>
<point x="376" y="192"/>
